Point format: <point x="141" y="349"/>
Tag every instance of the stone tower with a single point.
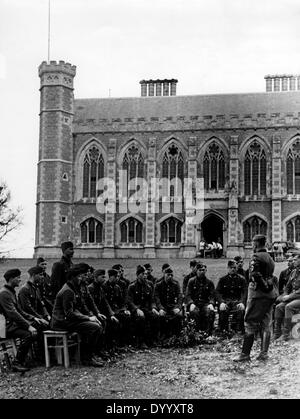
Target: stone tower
<point x="55" y="164"/>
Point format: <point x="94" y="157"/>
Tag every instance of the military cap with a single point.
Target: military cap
<point x="238" y="258"/>
<point x="147" y="266"/>
<point x="169" y="271"/>
<point x="193" y="263"/>
<point x="12" y="273"/>
<point x="200" y="266"/>
<point x="260" y="238"/>
<point x="140" y="270"/>
<point x="165" y="266"/>
<point x="40" y="260"/>
<point x="112" y="272"/>
<point x="99" y="272"/>
<point x="36" y="270"/>
<point x="66" y="245"/>
<point x="116" y="267"/>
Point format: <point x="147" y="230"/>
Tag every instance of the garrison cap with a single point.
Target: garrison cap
<point x="140" y="270"/>
<point x="40" y="260"/>
<point x="147" y="266"/>
<point x="99" y="272"/>
<point x="112" y="272"/>
<point x="165" y="266"/>
<point x="67" y="245"/>
<point x="169" y="271"/>
<point x="79" y="269"/>
<point x="36" y="270"/>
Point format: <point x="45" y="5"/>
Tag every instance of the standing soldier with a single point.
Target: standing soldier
<point x="200" y="300"/>
<point x="44" y="285"/>
<point x="61" y="268"/>
<point x="168" y="300"/>
<point x="193" y="267"/>
<point x="141" y="304"/>
<point x="262" y="293"/>
<point x="231" y="295"/>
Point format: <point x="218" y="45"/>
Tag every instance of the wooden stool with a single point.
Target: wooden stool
<point x="63" y="340"/>
<point x="5" y="346"/>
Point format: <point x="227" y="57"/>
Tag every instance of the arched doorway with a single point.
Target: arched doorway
<point x="212" y="229"/>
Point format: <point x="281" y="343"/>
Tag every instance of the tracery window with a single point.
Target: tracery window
<point x="173" y="168"/>
<point x="131" y="231"/>
<point x="293" y="169"/>
<point x="93" y="170"/>
<point x="252" y="226"/>
<point x="170" y="230"/>
<point x="91" y="231"/>
<point x="133" y="163"/>
<point x="255" y="170"/>
<point x="214" y="168"/>
<point x="293" y="229"/>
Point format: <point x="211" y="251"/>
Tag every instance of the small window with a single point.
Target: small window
<point x="65" y="177"/>
<point x="64" y="219"/>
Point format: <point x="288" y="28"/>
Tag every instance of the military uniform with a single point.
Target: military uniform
<point x="141" y="296"/>
<point x="284" y="277"/>
<point x="201" y="292"/>
<point x="46" y="292"/>
<point x="186" y="281"/>
<point x="30" y="301"/>
<point x="168" y="297"/>
<point x="59" y="274"/>
<point x="231" y="290"/>
<point x="285" y="310"/>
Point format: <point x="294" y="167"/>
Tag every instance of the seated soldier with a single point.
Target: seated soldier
<point x="142" y="307"/>
<point x="67" y="315"/>
<point x="96" y="289"/>
<point x="149" y="271"/>
<point x="163" y="268"/>
<point x="186" y="278"/>
<point x="231" y="294"/>
<point x="168" y="301"/>
<point x="200" y="300"/>
<point x="289" y="303"/>
<point x="121" y="280"/>
<point x="239" y="266"/>
<point x="18" y="324"/>
<point x="44" y="285"/>
<point x="118" y="333"/>
<point x="286" y="274"/>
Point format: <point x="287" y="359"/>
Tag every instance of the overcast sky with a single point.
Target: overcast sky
<point x="215" y="46"/>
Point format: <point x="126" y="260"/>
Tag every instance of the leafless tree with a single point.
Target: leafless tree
<point x="10" y="218"/>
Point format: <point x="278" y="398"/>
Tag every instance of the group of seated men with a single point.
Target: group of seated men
<point x="108" y="310"/>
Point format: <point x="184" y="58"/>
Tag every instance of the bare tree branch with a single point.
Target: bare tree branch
<point x="10" y="218"/>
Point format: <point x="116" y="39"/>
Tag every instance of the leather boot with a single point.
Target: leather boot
<point x="287" y="325"/>
<point x="246" y="349"/>
<point x="265" y="343"/>
<point x="277" y="328"/>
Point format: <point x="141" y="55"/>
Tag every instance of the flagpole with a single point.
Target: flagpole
<point x="48" y="31"/>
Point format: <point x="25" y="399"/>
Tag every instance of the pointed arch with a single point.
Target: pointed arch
<point x="212" y="164"/>
<point x="254" y="224"/>
<point x="171" y="229"/>
<point x="90" y="164"/>
<point x="91" y="230"/>
<point x="291" y="163"/>
<point x="291" y="227"/>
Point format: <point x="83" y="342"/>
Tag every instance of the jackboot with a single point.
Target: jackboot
<point x="277" y="328"/>
<point x="246" y="349"/>
<point x="287" y="325"/>
<point x="265" y="343"/>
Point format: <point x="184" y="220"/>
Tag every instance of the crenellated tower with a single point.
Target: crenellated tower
<point x="55" y="163"/>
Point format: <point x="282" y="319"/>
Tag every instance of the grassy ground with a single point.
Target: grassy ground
<point x="205" y="371"/>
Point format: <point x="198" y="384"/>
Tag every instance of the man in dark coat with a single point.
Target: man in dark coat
<point x="231" y="295"/>
<point x="149" y="271"/>
<point x="168" y="301"/>
<point x="200" y="300"/>
<point x="145" y="317"/>
<point x="18" y="324"/>
<point x="262" y="293"/>
<point x="61" y="268"/>
<point x="193" y="267"/>
<point x="286" y="274"/>
<point x="289" y="303"/>
<point x="44" y="285"/>
<point x="68" y="315"/>
<point x="121" y="280"/>
<point x="239" y="266"/>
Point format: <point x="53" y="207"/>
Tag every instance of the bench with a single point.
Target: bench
<point x="61" y="342"/>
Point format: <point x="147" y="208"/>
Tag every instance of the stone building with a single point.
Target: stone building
<point x="245" y="147"/>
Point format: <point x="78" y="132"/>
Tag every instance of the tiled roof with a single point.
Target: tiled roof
<point x="201" y="105"/>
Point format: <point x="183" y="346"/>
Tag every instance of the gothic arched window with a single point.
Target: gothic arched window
<point x="170" y="231"/>
<point x="214" y="168"/>
<point x="293" y="169"/>
<point x="293" y="229"/>
<point x="131" y="231"/>
<point x="133" y="164"/>
<point x="91" y="231"/>
<point x="93" y="170"/>
<point x="252" y="226"/>
<point x="173" y="168"/>
<point x="255" y="170"/>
